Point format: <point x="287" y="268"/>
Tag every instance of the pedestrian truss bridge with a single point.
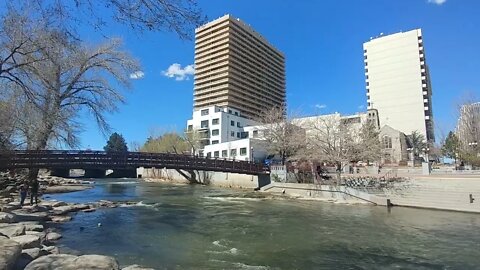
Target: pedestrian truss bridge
<point x="69" y="159"/>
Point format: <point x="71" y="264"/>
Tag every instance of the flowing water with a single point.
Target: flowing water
<point x="197" y="227"/>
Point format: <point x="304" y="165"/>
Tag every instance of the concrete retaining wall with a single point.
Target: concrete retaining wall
<point x="339" y="194"/>
<point x="221" y="179"/>
<point x="437" y="193"/>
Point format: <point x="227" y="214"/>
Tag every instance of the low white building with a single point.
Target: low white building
<point x="244" y="149"/>
<point x="354" y="121"/>
<point x="222" y="134"/>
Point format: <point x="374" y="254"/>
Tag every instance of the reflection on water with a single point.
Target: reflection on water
<point x="196" y="227"/>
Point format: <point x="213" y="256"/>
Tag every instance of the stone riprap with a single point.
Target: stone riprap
<point x="25" y="239"/>
<point x="72" y="262"/>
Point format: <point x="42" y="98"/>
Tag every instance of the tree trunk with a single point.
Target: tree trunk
<point x="339" y="173"/>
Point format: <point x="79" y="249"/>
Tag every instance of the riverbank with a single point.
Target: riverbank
<point x="28" y="234"/>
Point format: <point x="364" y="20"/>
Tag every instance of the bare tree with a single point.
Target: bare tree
<point x="281" y="136"/>
<point x="178" y="16"/>
<point x="330" y="140"/>
<point x="7" y="125"/>
<point x="62" y="79"/>
<point x="18" y="36"/>
<point x="368" y="142"/>
<point x="468" y="130"/>
<point x="194" y="139"/>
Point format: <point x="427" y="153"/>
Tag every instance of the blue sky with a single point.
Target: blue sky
<point x="322" y="42"/>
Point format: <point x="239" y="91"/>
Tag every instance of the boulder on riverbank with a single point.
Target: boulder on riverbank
<point x="32" y="226"/>
<point x="11" y="230"/>
<point x="66" y="188"/>
<point x="27" y="240"/>
<point x="71" y="262"/>
<point x="9" y="252"/>
<point x="53" y="203"/>
<point x="7" y="217"/>
<point x="25" y="215"/>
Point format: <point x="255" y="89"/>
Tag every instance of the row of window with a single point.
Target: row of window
<point x="206" y="112"/>
<point x="233" y="153"/>
<point x="204" y="123"/>
<point x="216" y="121"/>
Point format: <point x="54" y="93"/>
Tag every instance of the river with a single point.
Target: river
<point x="198" y="227"/>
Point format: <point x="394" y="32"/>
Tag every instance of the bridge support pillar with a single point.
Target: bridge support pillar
<point x="120" y="173"/>
<point x="60" y="172"/>
<point x="94" y="173"/>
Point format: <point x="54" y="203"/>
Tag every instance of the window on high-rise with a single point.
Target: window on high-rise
<point x="204" y="124"/>
<point x="215" y="121"/>
<point x="204" y="112"/>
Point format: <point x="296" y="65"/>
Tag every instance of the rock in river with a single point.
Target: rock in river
<point x="53" y="236"/>
<point x="62" y="210"/>
<point x="71" y="262"/>
<point x="61" y="219"/>
<point x="136" y="267"/>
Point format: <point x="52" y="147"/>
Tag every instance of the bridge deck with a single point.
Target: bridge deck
<point x="102" y="160"/>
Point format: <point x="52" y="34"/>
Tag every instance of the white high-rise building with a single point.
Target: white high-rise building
<point x="398" y="82"/>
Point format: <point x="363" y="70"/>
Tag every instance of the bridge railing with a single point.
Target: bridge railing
<point x="101" y="159"/>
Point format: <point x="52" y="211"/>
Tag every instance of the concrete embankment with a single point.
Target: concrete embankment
<point x="335" y="194"/>
<point x="219" y="179"/>
<point x="433" y="192"/>
<point x="437" y="192"/>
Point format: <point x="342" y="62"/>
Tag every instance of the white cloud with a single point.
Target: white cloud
<point x="176" y="71"/>
<point x="137" y="75"/>
<point x="320" y="106"/>
<point x="361" y="107"/>
<point x="437" y="2"/>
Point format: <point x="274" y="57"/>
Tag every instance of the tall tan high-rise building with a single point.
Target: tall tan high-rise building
<point x="236" y="67"/>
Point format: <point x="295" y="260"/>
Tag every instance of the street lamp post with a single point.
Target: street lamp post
<point x="411" y="156"/>
<point x="426" y="164"/>
<point x="425" y="154"/>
